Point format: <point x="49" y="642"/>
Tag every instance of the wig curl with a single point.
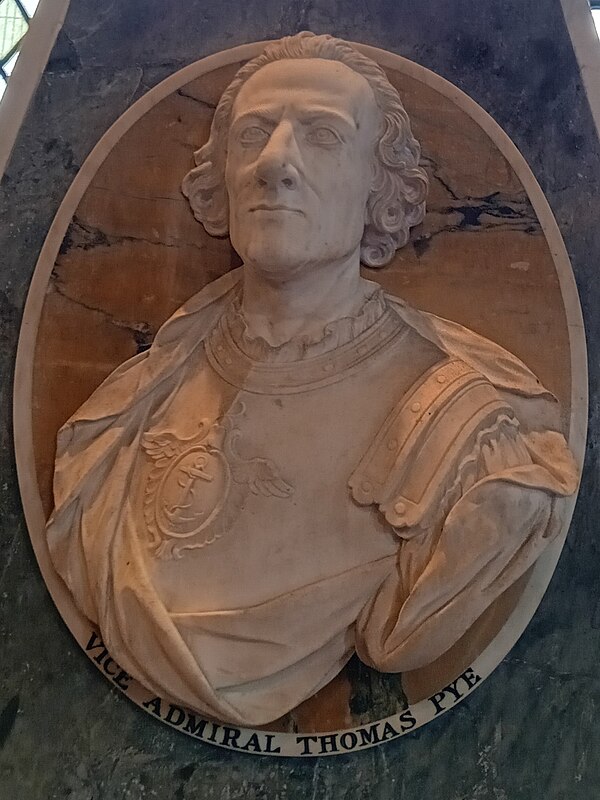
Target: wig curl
<point x="396" y="202"/>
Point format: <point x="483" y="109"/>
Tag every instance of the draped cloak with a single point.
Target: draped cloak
<point x="446" y="558"/>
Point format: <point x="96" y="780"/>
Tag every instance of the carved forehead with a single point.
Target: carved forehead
<point x="304" y="81"/>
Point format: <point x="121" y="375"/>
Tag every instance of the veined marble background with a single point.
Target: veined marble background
<point x="529" y="731"/>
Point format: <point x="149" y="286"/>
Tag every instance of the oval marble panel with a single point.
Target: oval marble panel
<point x="125" y="251"/>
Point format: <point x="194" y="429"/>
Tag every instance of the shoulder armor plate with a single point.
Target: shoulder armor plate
<point x="417" y="452"/>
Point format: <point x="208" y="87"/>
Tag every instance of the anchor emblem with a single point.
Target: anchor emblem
<point x="194" y="472"/>
<point x="193" y="481"/>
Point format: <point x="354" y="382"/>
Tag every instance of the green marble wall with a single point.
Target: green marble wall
<point x="530" y="732"/>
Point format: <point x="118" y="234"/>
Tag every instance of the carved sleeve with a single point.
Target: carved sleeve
<point x="473" y="501"/>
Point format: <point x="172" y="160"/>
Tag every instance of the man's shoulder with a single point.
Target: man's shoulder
<point x="432" y="429"/>
<point x="176" y="340"/>
<point x="501" y="368"/>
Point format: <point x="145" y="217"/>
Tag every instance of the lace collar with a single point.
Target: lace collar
<point x="335" y="334"/>
<point x="298" y="365"/>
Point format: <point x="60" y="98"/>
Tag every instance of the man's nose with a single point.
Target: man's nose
<point x="278" y="162"/>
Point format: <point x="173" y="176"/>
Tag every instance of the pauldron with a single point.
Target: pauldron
<point x="428" y="440"/>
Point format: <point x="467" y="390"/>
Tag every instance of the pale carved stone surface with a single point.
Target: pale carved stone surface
<point x="303" y="466"/>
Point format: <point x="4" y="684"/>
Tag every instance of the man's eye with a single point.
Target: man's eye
<point x="253" y="135"/>
<point x="324" y="136"/>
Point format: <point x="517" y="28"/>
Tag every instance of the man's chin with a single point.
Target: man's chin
<point x="275" y="263"/>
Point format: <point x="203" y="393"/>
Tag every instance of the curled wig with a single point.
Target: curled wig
<point x="397" y="199"/>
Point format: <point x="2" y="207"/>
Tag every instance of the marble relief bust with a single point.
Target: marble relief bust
<point x="302" y="466"/>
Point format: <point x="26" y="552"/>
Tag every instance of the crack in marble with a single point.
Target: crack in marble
<point x="199" y="100"/>
<point x="508" y="224"/>
<point x="92" y="237"/>
<point x="149" y="198"/>
<point x="434" y="169"/>
<point x="497" y="203"/>
<point x="142" y="332"/>
<point x="487" y="205"/>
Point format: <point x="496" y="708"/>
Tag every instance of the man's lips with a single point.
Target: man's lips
<point x="275" y="207"/>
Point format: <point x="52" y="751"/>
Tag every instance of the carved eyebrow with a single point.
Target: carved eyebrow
<point x="307" y="117"/>
<point x="327" y="115"/>
<point x="256" y="115"/>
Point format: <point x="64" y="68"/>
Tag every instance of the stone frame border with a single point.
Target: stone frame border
<point x="38" y="42"/>
<point x="288" y="744"/>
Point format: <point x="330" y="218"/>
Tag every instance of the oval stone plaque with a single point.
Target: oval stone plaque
<point x="124" y="252"/>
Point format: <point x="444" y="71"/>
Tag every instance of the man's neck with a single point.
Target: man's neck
<point x="278" y="311"/>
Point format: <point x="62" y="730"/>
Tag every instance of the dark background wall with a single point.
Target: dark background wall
<point x="530" y="732"/>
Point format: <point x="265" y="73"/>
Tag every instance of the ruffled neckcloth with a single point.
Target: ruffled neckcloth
<point x="250" y="362"/>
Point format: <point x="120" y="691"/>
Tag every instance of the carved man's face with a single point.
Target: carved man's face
<point x="300" y="163"/>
